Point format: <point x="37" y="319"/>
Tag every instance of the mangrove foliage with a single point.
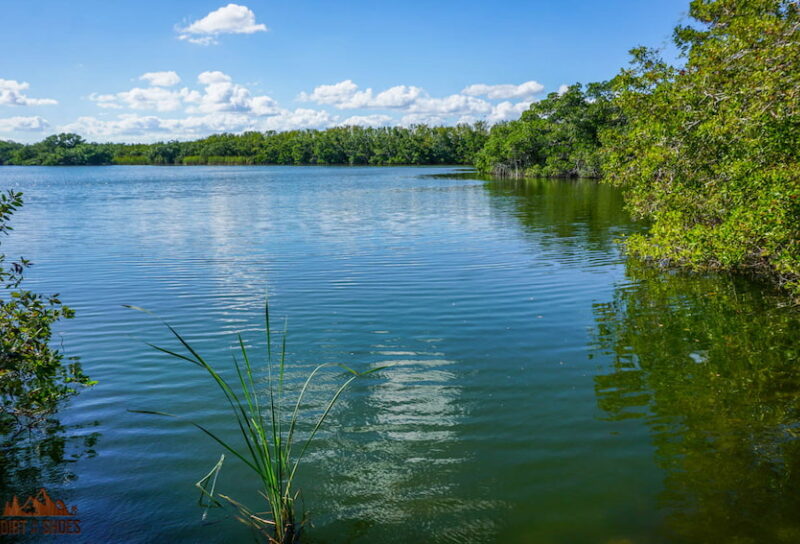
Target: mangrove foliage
<point x="710" y="151"/>
<point x="35" y="376"/>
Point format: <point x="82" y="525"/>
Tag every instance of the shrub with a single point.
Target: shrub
<point x="709" y="152"/>
<point x="34" y="377"/>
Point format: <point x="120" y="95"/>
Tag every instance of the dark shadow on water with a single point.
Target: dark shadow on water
<point x="43" y="458"/>
<point x="712" y="364"/>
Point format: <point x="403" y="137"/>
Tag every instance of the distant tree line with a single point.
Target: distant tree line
<point x="415" y="145"/>
<point x="56" y="150"/>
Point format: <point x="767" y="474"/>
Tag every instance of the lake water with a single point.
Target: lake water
<point x="542" y="390"/>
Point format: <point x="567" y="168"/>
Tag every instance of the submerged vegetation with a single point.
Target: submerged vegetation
<point x="268" y="432"/>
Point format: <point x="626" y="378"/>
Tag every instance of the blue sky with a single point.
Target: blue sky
<point x="269" y="65"/>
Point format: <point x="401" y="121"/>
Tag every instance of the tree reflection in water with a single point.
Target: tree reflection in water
<point x="713" y="365"/>
<point x="43" y="457"/>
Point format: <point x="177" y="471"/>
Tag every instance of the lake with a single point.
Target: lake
<point x="541" y="388"/>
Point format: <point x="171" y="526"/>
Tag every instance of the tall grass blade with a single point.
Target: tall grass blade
<point x="266" y="439"/>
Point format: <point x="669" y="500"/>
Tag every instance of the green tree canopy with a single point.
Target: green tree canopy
<point x="709" y="152"/>
<point x="556" y="137"/>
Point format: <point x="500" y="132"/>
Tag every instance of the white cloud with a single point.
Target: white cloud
<point x="29" y="124"/>
<point x="230" y="19"/>
<point x="125" y="124"/>
<point x="219" y="104"/>
<point x="161" y="79"/>
<point x="400" y="96"/>
<point x="501" y="92"/>
<point x="298" y="119"/>
<point x="563" y="89"/>
<point x="346" y="95"/>
<point x="144" y="128"/>
<point x="106" y="100"/>
<point x="211" y="77"/>
<point x="222" y="95"/>
<point x="422" y="119"/>
<point x="343" y="95"/>
<point x="507" y="111"/>
<point x="11" y="94"/>
<point x="148" y="98"/>
<point x="468" y="120"/>
<point x="219" y="95"/>
<point x="152" y="127"/>
<point x="212" y="123"/>
<point x="452" y="105"/>
<point x="377" y="120"/>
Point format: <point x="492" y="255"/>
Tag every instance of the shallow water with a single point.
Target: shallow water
<point x="541" y="390"/>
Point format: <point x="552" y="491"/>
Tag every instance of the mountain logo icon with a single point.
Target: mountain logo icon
<point x="39" y="505"/>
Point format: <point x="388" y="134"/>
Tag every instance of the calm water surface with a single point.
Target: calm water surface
<point x="542" y="390"/>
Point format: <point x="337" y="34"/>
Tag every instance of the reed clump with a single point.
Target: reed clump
<point x="268" y="432"/>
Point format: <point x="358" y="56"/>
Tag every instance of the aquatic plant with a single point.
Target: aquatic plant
<point x="268" y="435"/>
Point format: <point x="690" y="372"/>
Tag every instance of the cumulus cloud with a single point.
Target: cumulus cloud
<point x="473" y="103"/>
<point x="422" y="119"/>
<point x="298" y="119"/>
<point x="377" y="120"/>
<point x="222" y="95"/>
<point x="211" y="77"/>
<point x="219" y="95"/>
<point x="151" y="126"/>
<point x="219" y="104"/>
<point x="125" y="124"/>
<point x="343" y="95"/>
<point x="507" y="111"/>
<point x="148" y="98"/>
<point x="346" y="95"/>
<point x="450" y="105"/>
<point x="563" y="89"/>
<point x="528" y="89"/>
<point x="28" y="124"/>
<point x="400" y="96"/>
<point x="12" y="94"/>
<point x="230" y="19"/>
<point x="161" y="79"/>
<point x="135" y="127"/>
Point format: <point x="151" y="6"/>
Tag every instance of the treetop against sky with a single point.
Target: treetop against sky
<point x="147" y="70"/>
